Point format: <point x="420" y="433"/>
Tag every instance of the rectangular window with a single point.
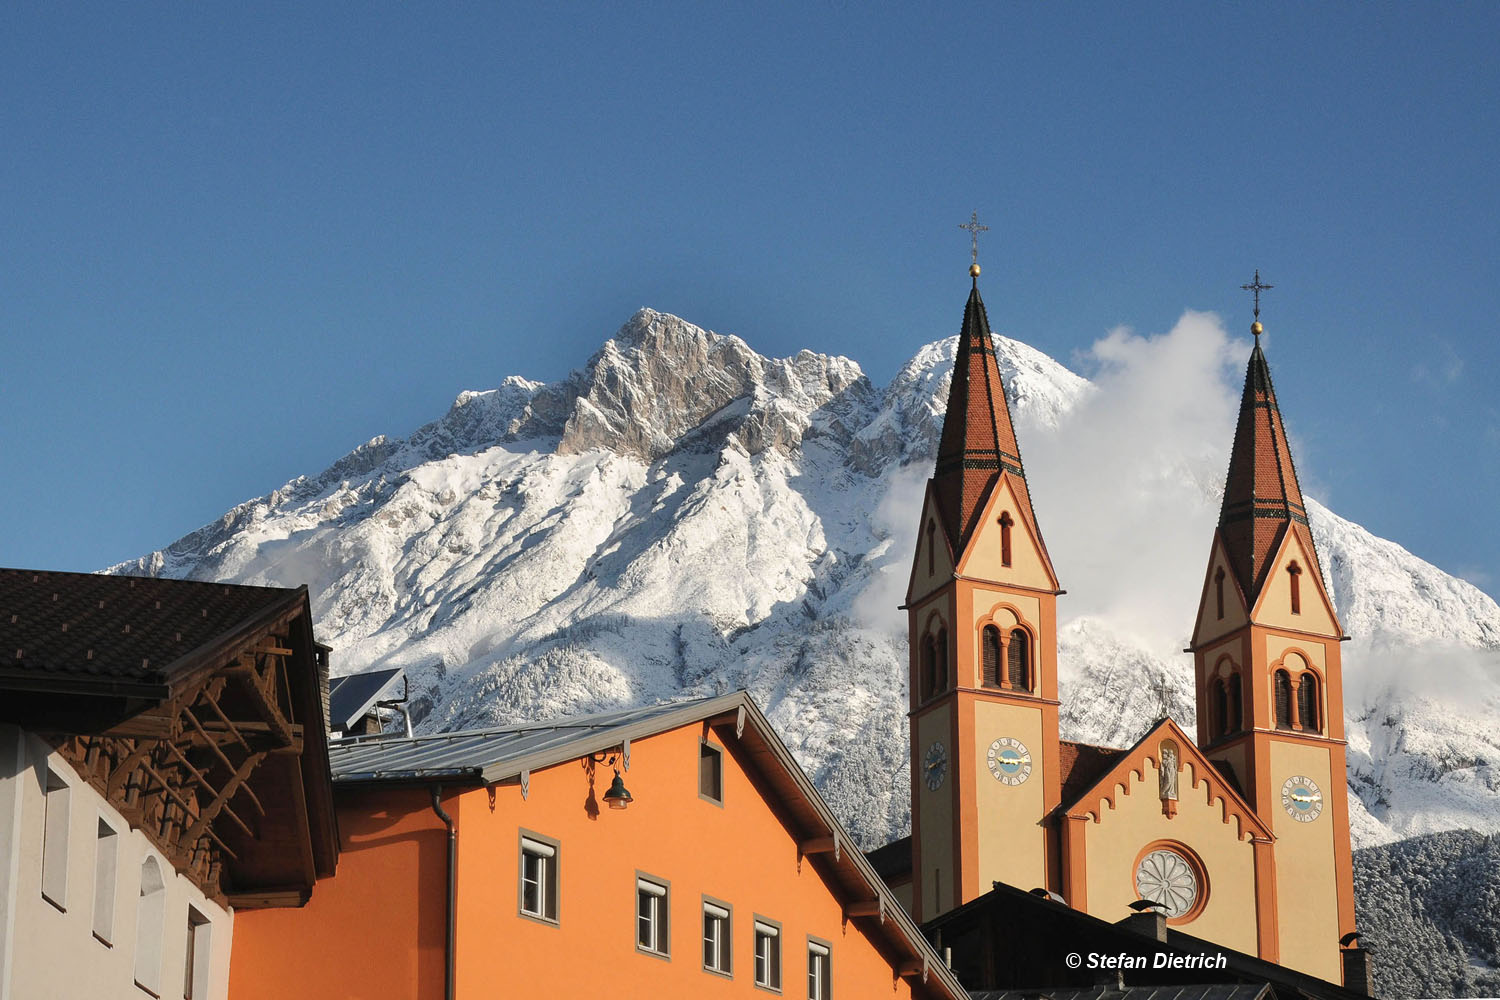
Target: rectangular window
<point x="711" y="772"/>
<point x="819" y="970"/>
<point x="55" y="841"/>
<point x="767" y="954"/>
<point x="538" y="889"/>
<point x="717" y="936"/>
<point x="106" y="872"/>
<point x="651" y="916"/>
<point x="195" y="975"/>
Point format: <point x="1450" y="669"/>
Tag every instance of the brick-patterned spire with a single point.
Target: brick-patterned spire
<point x="978" y="437"/>
<point x="1261" y="495"/>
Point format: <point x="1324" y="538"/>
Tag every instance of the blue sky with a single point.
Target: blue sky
<point x="239" y="240"/>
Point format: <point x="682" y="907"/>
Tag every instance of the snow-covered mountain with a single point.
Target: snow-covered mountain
<point x="684" y="516"/>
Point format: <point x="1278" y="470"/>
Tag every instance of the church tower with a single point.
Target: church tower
<point x="981" y="605"/>
<point x="1269" y="687"/>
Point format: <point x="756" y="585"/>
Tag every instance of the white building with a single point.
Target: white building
<point x="162" y="763"/>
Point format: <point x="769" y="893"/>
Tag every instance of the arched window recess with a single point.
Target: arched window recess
<point x="1018" y="660"/>
<point x="1308" y="703"/>
<point x="992" y="654"/>
<point x="1283" y="692"/>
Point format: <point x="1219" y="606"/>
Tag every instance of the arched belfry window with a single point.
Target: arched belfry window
<point x="1283" y="700"/>
<point x="1018" y="660"/>
<point x="150" y="914"/>
<point x="989" y="642"/>
<point x="931" y="547"/>
<point x="1218" y="707"/>
<point x="929" y="666"/>
<point x="1219" y="590"/>
<point x="1307" y="702"/>
<point x="1294" y="573"/>
<point x="1005" y="525"/>
<point x="940" y="678"/>
<point x="1234" y="707"/>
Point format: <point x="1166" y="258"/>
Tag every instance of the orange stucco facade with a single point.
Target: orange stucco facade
<point x="377" y="928"/>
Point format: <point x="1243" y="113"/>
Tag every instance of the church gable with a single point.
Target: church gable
<point x="1005" y="547"/>
<point x="1197" y="784"/>
<point x="1221" y="607"/>
<point x="1292" y="594"/>
<point x="933" y="565"/>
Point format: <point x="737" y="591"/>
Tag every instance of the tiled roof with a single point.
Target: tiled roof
<point x="893" y="861"/>
<point x="86" y="627"/>
<point x="1082" y="764"/>
<point x="978" y="439"/>
<point x="1261" y="494"/>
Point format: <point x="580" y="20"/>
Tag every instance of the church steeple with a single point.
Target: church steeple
<point x="1270" y="687"/>
<point x="982" y="614"/>
<point x="978" y="440"/>
<point x="1262" y="499"/>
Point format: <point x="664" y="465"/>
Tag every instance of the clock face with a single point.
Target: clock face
<point x="935" y="765"/>
<point x="1301" y="798"/>
<point x="1010" y="761"/>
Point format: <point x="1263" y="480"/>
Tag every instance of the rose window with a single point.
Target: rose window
<point x="1165" y="877"/>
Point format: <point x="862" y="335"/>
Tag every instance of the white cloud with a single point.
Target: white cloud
<point x="1126" y="487"/>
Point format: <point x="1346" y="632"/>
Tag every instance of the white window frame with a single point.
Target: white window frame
<point x="819" y="969"/>
<point x="653" y="924"/>
<point x="768" y="968"/>
<point x="56" y="818"/>
<point x="106" y="878"/>
<point x="718" y="937"/>
<point x="544" y="852"/>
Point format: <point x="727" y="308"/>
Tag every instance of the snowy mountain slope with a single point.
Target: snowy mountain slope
<point x="684" y="516"/>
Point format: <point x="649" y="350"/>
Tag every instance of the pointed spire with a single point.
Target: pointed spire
<point x="978" y="439"/>
<point x="1261" y="496"/>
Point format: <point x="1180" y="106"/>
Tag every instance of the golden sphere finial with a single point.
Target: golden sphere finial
<point x="1256" y="328"/>
<point x="973" y="270"/>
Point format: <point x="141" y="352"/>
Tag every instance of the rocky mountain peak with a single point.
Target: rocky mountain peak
<point x="662" y="383"/>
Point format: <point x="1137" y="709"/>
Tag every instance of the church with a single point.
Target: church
<point x="1237" y="834"/>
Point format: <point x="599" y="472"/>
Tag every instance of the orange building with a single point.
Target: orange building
<point x="496" y="863"/>
<point x="1241" y="838"/>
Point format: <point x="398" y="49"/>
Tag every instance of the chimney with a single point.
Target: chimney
<point x="1147" y="923"/>
<point x="321" y="655"/>
<point x="1357" y="970"/>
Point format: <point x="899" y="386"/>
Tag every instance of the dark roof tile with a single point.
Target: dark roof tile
<point x="84" y="625"/>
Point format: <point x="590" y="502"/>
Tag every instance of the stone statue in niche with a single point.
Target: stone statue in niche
<point x="1168" y="773"/>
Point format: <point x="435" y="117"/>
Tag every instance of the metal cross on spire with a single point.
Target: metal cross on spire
<point x="974" y="229"/>
<point x="1166" y="695"/>
<point x="1257" y="287"/>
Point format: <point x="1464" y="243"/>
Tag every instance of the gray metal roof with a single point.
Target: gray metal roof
<point x="353" y="696"/>
<point x="490" y="755"/>
<point x="1207" y="991"/>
